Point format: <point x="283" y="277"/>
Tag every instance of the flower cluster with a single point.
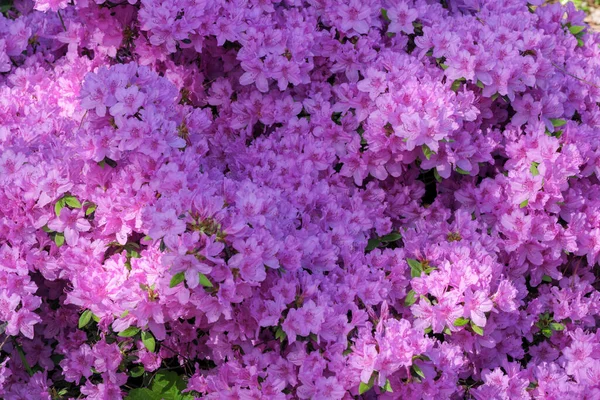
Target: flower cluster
<point x="299" y="199"/>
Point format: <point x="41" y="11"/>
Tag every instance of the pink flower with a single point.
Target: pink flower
<point x="78" y="364"/>
<point x="5" y="64"/>
<point x="461" y="65"/>
<point x="71" y="222"/>
<point x="374" y="83"/>
<point x="129" y="100"/>
<point x="476" y="305"/>
<point x="52" y="5"/>
<point x="355" y="16"/>
<point x="505" y="296"/>
<point x="440" y="315"/>
<point x="402" y="18"/>
<point x="22" y="321"/>
<point x="166" y="223"/>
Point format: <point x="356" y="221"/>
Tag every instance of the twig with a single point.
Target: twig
<point x="4" y="342"/>
<point x="61" y="20"/>
<point x="82" y="118"/>
<point x="175" y="352"/>
<point x="574" y="76"/>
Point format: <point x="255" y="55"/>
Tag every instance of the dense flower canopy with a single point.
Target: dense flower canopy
<point x="299" y="199"/>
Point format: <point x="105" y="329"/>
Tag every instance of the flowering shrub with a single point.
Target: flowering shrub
<point x="299" y="199"/>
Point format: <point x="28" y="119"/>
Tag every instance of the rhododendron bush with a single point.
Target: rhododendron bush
<point x="299" y="199"/>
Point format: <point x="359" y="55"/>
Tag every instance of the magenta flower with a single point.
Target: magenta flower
<point x="476" y="305"/>
<point x="355" y="15"/>
<point x="402" y="18"/>
<point x="70" y="222"/>
<point x="22" y="321"/>
<point x="50" y="5"/>
<point x="129" y="100"/>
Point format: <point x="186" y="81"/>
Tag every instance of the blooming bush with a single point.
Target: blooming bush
<point x="299" y="199"/>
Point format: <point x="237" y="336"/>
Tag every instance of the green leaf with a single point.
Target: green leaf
<point x="391" y="237"/>
<point x="169" y="385"/>
<point x="547" y="332"/>
<point x="46" y="229"/>
<point x="456" y="85"/>
<point x="24" y="360"/>
<point x="137" y="371"/>
<point x="148" y="340"/>
<point x="428" y="270"/>
<point x="447" y="331"/>
<point x="59" y="206"/>
<point x="461" y="321"/>
<point x="59" y="239"/>
<point x="575" y="29"/>
<point x="534" y="168"/>
<point x="85" y="319"/>
<point x="580" y="42"/>
<point x="95" y="318"/>
<point x="477" y="329"/>
<point x="90" y="209"/>
<point x="524" y="204"/>
<point x="204" y="281"/>
<point x="142" y="394"/>
<point x="5" y="7"/>
<point x="418" y="370"/>
<point x="365" y="387"/>
<point x="410" y="299"/>
<point x="177" y="279"/>
<point x="557" y="134"/>
<point x="462" y="171"/>
<point x="416" y="268"/>
<point x="280" y="334"/>
<point x="129" y="332"/>
<point x="387" y="387"/>
<point x="72" y="201"/>
<point x="372" y="244"/>
<point x="426" y="151"/>
<point x="480" y="84"/>
<point x="555" y="326"/>
<point x="384" y="14"/>
<point x="547" y="278"/>
<point x="437" y="175"/>
<point x="557" y="122"/>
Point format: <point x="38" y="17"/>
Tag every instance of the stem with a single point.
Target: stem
<point x="23" y="359"/>
<point x="4" y="342"/>
<point x="62" y="22"/>
<point x="574" y="76"/>
<point x="173" y="351"/>
<point x="82" y="118"/>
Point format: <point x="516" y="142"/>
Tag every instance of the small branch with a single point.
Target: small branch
<point x="82" y="118"/>
<point x="4" y="342"/>
<point x="574" y="76"/>
<point x="175" y="352"/>
<point x="61" y="20"/>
